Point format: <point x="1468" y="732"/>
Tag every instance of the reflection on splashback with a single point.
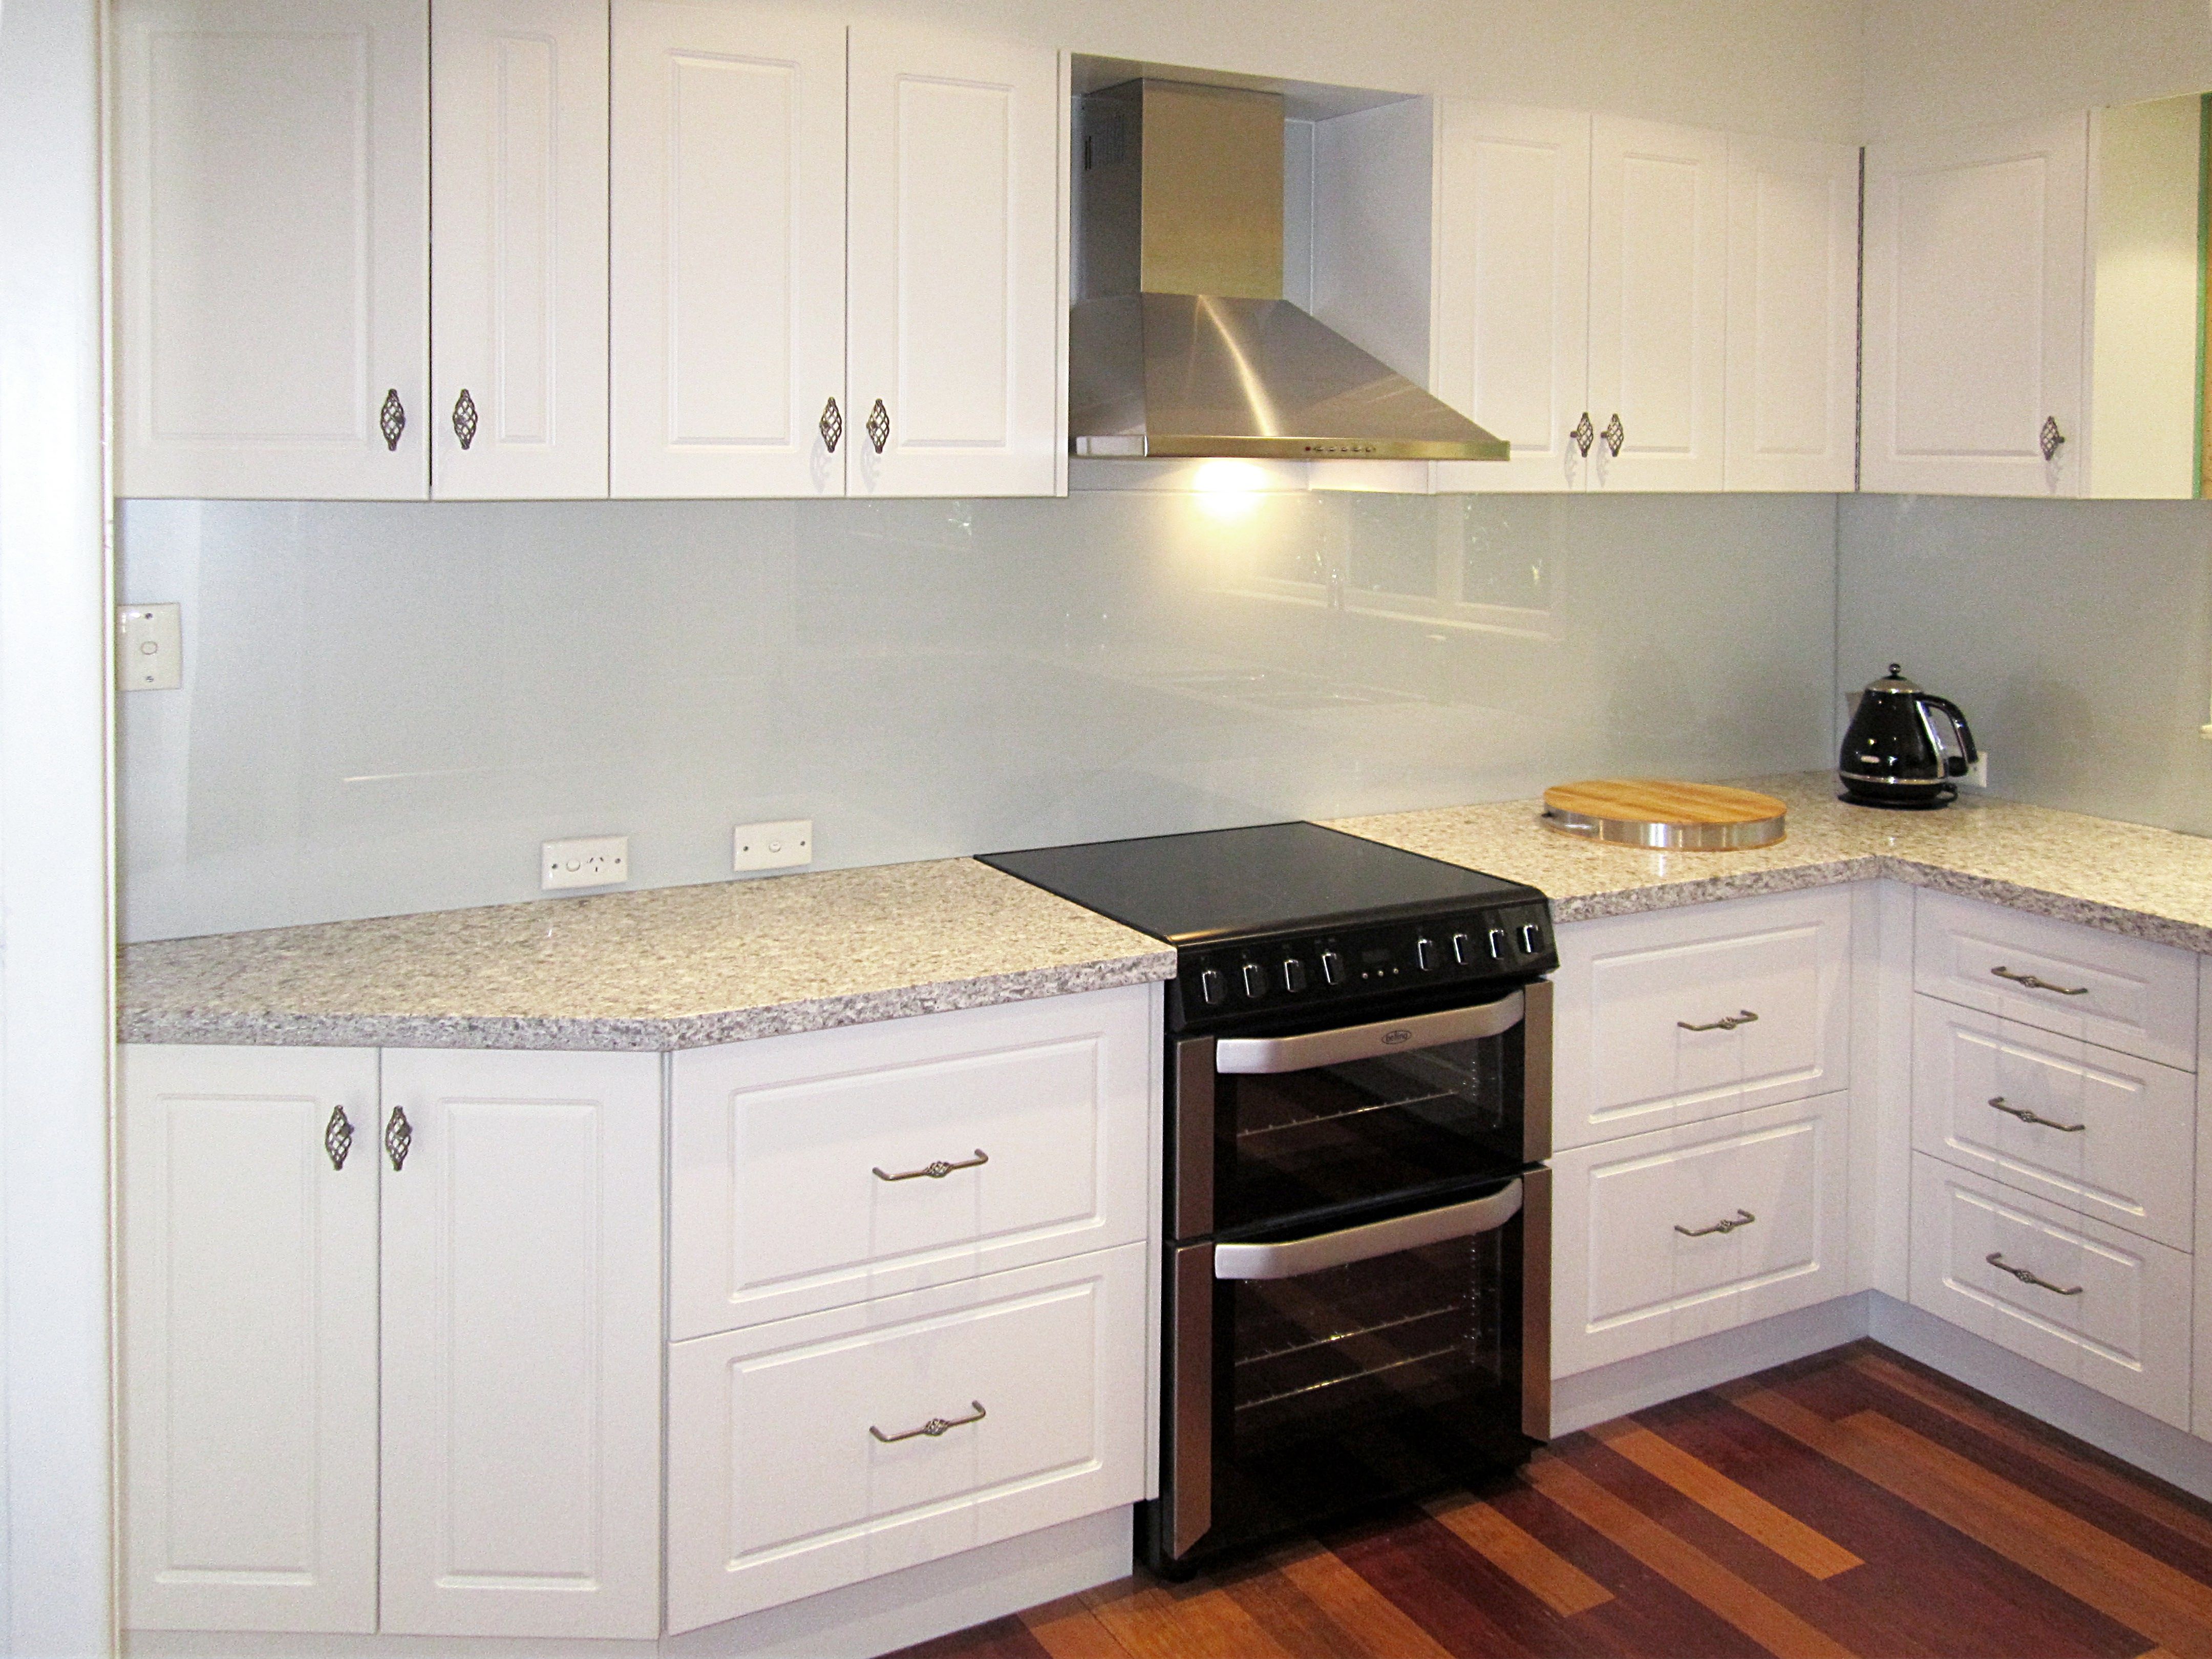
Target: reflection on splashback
<point x="386" y="707"/>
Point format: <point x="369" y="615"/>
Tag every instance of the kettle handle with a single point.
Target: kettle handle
<point x="1966" y="731"/>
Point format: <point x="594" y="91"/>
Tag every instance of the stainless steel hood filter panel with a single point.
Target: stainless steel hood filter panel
<point x="1183" y="345"/>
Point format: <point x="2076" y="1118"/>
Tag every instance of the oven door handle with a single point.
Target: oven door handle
<point x="1260" y="1056"/>
<point x="1296" y="1256"/>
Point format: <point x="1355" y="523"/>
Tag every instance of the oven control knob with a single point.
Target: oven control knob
<point x="1332" y="968"/>
<point x="1212" y="989"/>
<point x="1532" y="939"/>
<point x="1425" y="955"/>
<point x="1294" y="976"/>
<point x="1256" y="980"/>
<point x="1497" y="944"/>
<point x="1462" y="950"/>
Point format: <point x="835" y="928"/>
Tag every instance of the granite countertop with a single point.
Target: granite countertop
<point x="682" y="966"/>
<point x="666" y="968"/>
<point x="2124" y="878"/>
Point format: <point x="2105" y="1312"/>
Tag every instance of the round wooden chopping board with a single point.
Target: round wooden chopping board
<point x="1660" y="813"/>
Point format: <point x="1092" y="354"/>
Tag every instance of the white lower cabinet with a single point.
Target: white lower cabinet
<point x="2106" y="1308"/>
<point x="1665" y="1236"/>
<point x="515" y="1200"/>
<point x="816" y="1451"/>
<point x="521" y="1348"/>
<point x="249" y="1339"/>
<point x="2095" y="1130"/>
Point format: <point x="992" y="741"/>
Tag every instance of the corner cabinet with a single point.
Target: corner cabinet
<point x="433" y="1296"/>
<point x="1976" y="250"/>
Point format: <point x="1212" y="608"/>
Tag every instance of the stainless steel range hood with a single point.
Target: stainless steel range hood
<point x="1183" y="344"/>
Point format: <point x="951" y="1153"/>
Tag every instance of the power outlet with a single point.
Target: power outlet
<point x="1978" y="775"/>
<point x="782" y="845"/>
<point x="592" y="861"/>
<point x="149" y="649"/>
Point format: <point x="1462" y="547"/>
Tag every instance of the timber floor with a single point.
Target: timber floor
<point x="1851" y="1503"/>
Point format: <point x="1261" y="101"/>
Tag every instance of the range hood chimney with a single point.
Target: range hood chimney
<point x="1183" y="344"/>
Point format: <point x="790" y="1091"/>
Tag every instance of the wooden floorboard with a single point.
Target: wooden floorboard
<point x="1855" y="1506"/>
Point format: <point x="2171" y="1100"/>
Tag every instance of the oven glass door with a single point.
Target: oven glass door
<point x="1354" y="1383"/>
<point x="1310" y="1138"/>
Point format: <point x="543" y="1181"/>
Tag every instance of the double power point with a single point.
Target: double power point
<point x="603" y="860"/>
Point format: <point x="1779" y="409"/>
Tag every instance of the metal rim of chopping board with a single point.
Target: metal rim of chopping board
<point x="1661" y="836"/>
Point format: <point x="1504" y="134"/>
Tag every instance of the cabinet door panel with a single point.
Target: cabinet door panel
<point x="1627" y="1276"/>
<point x="271" y="238"/>
<point x="954" y="270"/>
<point x="1512" y="317"/>
<point x="728" y="249"/>
<point x="2110" y="1310"/>
<point x="521" y="1353"/>
<point x="1658" y="304"/>
<point x="1975" y="255"/>
<point x="249" y="1339"/>
<point x="520" y="279"/>
<point x="1793" y="315"/>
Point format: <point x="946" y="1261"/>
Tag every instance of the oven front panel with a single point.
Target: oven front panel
<point x="1348" y="1385"/>
<point x="1364" y="1131"/>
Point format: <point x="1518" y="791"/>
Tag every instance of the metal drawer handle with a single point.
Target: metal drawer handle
<point x="935" y="1426"/>
<point x="337" y="1137"/>
<point x="831" y="426"/>
<point x="938" y="1170"/>
<point x="398" y="1136"/>
<point x="2051" y="437"/>
<point x="1585" y="435"/>
<point x="1727" y="1022"/>
<point x="879" y="425"/>
<point x="1292" y="1257"/>
<point x="392" y="418"/>
<point x="1998" y="1102"/>
<point x="1742" y="1218"/>
<point x="2035" y="984"/>
<point x="1996" y="1259"/>
<point x="464" y="418"/>
<point x="1615" y="434"/>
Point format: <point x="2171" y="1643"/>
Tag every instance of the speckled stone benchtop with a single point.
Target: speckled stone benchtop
<point x="682" y="966"/>
<point x="2124" y="878"/>
<point x="666" y="968"/>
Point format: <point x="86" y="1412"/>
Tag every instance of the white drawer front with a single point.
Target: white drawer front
<point x="2123" y="993"/>
<point x="776" y="1208"/>
<point x="2115" y="1136"/>
<point x="2114" y="1312"/>
<point x="1628" y="1275"/>
<point x="777" y="1489"/>
<point x="1631" y="989"/>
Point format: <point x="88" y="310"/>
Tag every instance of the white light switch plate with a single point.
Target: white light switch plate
<point x="778" y="846"/>
<point x="149" y="648"/>
<point x="592" y="861"/>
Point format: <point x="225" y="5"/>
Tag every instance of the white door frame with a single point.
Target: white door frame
<point x="56" y="929"/>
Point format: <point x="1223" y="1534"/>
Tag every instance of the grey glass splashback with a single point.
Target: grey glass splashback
<point x="387" y="706"/>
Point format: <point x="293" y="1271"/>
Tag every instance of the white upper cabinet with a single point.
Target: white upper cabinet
<point x="522" y="1343"/>
<point x="1658" y="305"/>
<point x="728" y="251"/>
<point x="519" y="275"/>
<point x="1792" y="314"/>
<point x="956" y="296"/>
<point x="1975" y="264"/>
<point x="249" y="1339"/>
<point x="271" y="241"/>
<point x="1511" y="339"/>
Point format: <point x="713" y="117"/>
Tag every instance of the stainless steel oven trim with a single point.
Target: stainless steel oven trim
<point x="1265" y="1056"/>
<point x="1536" y="1071"/>
<point x="1189" y="1494"/>
<point x="1293" y="1257"/>
<point x="1536" y="1303"/>
<point x="1190" y="1201"/>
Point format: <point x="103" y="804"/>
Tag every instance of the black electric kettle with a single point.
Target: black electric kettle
<point x="1904" y="747"/>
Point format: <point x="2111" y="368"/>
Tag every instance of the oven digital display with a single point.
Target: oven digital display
<point x="1374" y="958"/>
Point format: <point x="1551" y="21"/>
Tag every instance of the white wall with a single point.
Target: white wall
<point x="1932" y="66"/>
<point x="54" y="964"/>
<point x="1779" y="66"/>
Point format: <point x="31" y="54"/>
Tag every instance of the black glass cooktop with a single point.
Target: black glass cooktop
<point x="1220" y="885"/>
